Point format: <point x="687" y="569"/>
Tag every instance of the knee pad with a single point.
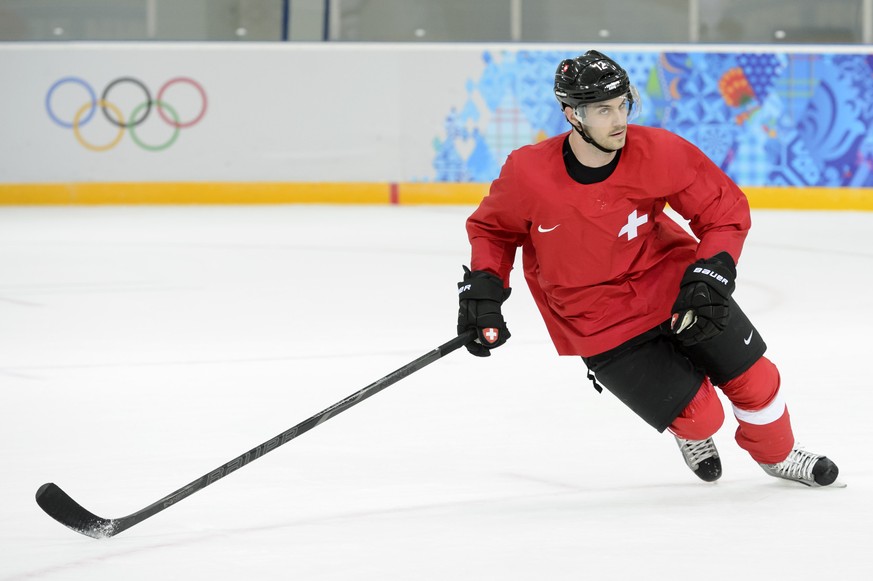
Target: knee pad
<point x="702" y="417"/>
<point x="755" y="388"/>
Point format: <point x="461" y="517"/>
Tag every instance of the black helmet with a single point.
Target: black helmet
<point x="590" y="78"/>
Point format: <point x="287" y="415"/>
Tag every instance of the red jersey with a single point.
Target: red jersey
<point x="603" y="261"/>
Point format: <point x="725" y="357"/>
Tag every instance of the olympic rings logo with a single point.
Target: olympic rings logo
<point x="78" y="116"/>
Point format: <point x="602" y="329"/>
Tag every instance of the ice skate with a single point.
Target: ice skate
<point x="804" y="467"/>
<point x="702" y="457"/>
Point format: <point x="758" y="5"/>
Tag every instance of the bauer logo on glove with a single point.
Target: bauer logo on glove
<point x="713" y="274"/>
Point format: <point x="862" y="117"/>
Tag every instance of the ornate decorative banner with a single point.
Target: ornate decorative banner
<point x="767" y="119"/>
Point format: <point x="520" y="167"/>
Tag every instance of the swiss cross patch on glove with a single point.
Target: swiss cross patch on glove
<point x="491" y="335"/>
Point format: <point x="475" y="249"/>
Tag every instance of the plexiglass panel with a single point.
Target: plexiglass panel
<point x="797" y="21"/>
<point x="44" y="20"/>
<point x="575" y="21"/>
<point x="629" y="21"/>
<point x="405" y="20"/>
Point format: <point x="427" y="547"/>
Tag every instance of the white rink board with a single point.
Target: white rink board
<point x="275" y="112"/>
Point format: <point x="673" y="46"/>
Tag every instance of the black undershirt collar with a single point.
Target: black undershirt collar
<point x="584" y="174"/>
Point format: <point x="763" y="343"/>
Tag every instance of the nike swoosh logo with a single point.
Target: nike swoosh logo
<point x="749" y="340"/>
<point x="541" y="229"/>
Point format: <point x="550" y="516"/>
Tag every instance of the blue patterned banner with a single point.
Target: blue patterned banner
<point x="767" y="119"/>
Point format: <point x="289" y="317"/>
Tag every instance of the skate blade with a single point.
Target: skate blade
<point x="834" y="484"/>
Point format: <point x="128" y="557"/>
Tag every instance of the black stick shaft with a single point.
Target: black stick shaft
<point x="68" y="512"/>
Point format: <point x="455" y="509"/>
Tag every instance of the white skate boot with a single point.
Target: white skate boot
<point x="804" y="467"/>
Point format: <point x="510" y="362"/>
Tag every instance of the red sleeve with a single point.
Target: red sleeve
<point x="717" y="210"/>
<point x="498" y="226"/>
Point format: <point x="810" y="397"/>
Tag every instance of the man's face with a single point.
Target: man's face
<point x="605" y="122"/>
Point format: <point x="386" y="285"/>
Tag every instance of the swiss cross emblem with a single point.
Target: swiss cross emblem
<point x="490" y="334"/>
<point x="633" y="222"/>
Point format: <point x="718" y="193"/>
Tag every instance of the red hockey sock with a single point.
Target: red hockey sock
<point x="764" y="424"/>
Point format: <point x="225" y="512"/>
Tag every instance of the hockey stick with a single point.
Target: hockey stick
<point x="61" y="507"/>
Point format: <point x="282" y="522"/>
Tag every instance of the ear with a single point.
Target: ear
<point x="568" y="115"/>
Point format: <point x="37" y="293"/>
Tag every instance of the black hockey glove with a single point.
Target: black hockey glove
<point x="480" y="295"/>
<point x="701" y="311"/>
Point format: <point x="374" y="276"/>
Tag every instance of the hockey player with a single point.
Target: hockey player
<point x="619" y="283"/>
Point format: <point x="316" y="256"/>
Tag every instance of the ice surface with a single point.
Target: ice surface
<point x="141" y="347"/>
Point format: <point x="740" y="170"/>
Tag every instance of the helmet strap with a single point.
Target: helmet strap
<point x="587" y="138"/>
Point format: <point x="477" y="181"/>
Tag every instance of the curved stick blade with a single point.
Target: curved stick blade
<point x="60" y="506"/>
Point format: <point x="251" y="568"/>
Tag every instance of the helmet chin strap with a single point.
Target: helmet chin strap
<point x="588" y="139"/>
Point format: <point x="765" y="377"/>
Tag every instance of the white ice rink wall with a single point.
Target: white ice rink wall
<point x="403" y="123"/>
